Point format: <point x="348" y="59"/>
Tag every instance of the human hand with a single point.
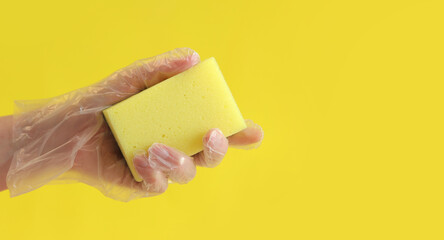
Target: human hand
<point x="66" y="137"/>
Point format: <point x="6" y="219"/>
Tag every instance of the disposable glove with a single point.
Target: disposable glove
<point x="65" y="139"/>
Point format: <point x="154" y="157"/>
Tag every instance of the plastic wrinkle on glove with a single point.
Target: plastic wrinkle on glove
<point x="66" y="138"/>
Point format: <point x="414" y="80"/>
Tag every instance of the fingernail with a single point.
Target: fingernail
<point x="140" y="161"/>
<point x="158" y="154"/>
<point x="159" y="151"/>
<point x="213" y="145"/>
<point x="214" y="138"/>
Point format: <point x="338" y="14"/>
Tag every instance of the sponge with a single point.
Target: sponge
<point x="177" y="112"/>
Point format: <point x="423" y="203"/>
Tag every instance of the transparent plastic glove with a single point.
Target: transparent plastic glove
<point x="66" y="139"/>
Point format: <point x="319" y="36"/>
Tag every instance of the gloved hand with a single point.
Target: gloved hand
<point x="66" y="138"/>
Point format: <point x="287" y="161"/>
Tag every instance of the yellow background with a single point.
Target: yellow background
<point x="350" y="95"/>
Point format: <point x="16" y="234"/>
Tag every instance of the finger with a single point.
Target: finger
<point x="215" y="147"/>
<point x="110" y="173"/>
<point x="140" y="75"/>
<point x="249" y="138"/>
<point x="155" y="181"/>
<point x="177" y="165"/>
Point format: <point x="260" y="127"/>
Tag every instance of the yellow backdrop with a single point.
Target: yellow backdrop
<point x="350" y="95"/>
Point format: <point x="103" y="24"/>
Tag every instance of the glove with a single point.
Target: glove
<point x="65" y="139"/>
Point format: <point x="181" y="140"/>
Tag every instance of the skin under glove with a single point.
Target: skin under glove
<point x="66" y="139"/>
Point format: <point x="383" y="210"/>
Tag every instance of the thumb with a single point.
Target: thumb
<point x="85" y="102"/>
<point x="140" y="75"/>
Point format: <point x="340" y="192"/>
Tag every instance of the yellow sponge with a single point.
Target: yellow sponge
<point x="176" y="112"/>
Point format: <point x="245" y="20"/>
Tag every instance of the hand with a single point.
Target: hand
<point x="66" y="137"/>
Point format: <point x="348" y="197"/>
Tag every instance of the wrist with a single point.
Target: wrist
<point x="6" y="148"/>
